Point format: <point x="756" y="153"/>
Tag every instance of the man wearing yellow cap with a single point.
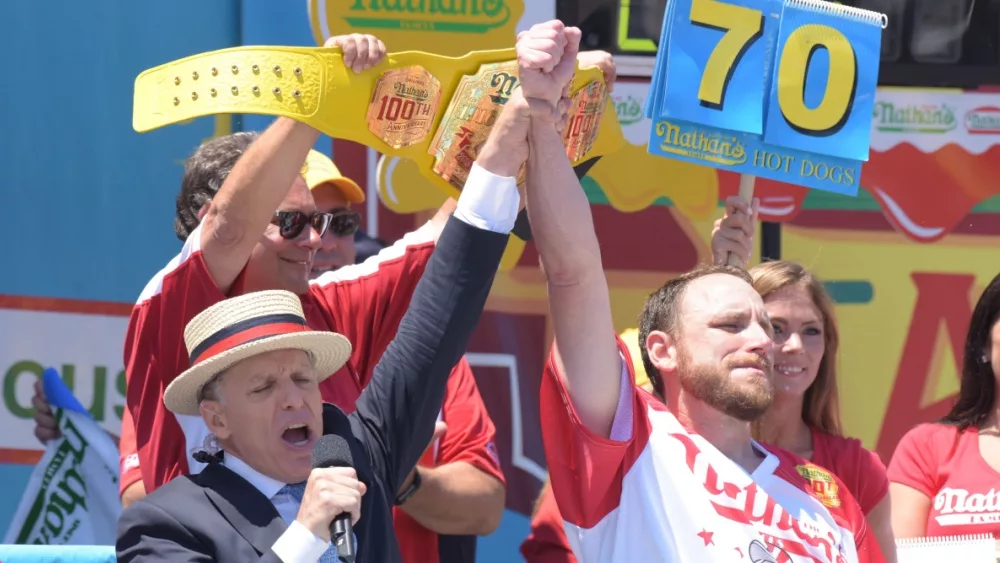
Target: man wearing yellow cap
<point x="334" y="193"/>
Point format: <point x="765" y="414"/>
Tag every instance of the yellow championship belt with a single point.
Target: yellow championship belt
<point x="437" y="111"/>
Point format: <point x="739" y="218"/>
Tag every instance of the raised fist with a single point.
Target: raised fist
<point x="546" y="59"/>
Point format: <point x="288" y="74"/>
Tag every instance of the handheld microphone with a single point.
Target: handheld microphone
<point x="333" y="451"/>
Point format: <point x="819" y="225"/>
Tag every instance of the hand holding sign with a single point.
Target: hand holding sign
<point x="732" y="236"/>
<point x="782" y="89"/>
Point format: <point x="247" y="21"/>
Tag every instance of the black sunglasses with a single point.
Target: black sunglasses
<point x="341" y="223"/>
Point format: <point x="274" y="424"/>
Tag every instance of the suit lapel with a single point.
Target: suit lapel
<point x="246" y="508"/>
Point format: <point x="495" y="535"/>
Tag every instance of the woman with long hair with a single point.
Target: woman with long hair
<point x="805" y="415"/>
<point x="945" y="476"/>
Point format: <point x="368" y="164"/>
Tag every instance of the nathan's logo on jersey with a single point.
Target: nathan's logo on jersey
<point x="824" y="487"/>
<point x="805" y="539"/>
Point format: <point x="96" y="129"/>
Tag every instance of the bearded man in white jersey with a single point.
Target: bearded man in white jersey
<point x="635" y="481"/>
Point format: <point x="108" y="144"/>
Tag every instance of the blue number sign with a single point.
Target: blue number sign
<point x="782" y="89"/>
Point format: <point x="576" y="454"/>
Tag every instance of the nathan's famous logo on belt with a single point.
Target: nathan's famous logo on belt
<point x="694" y="142"/>
<point x="458" y="26"/>
<point x="403" y="105"/>
<point x="585" y="112"/>
<point x="913" y="118"/>
<point x="823" y="485"/>
<point x="983" y="121"/>
<point x="469" y="118"/>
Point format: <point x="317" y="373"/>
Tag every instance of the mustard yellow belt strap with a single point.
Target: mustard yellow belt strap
<point x="395" y="107"/>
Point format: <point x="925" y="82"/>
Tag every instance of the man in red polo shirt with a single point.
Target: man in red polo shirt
<point x="241" y="244"/>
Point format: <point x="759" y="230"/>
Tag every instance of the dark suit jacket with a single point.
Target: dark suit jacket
<point x="218" y="516"/>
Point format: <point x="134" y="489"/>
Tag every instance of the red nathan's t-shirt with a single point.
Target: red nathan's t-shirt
<point x="945" y="464"/>
<point x="364" y="302"/>
<point x="470" y="438"/>
<point x="861" y="471"/>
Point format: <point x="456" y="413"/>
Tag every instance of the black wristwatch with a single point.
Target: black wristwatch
<point x="405" y="495"/>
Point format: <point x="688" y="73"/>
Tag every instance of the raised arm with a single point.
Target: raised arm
<point x="244" y="205"/>
<point x="563" y="230"/>
<point x="396" y="413"/>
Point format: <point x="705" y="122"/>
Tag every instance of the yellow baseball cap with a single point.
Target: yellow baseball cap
<point x="319" y="169"/>
<point x="631" y="339"/>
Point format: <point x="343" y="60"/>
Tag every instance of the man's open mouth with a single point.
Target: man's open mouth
<point x="296" y="434"/>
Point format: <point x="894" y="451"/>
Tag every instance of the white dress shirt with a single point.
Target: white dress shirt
<point x="489" y="201"/>
<point x="297" y="544"/>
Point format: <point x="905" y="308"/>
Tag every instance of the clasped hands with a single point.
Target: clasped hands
<point x="546" y="56"/>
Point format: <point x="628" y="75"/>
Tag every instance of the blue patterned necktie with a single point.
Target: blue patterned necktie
<point x="296" y="492"/>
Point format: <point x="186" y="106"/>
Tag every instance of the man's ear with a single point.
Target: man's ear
<point x="662" y="350"/>
<point x="203" y="210"/>
<point x="214" y="416"/>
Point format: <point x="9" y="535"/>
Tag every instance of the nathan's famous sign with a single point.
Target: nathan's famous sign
<point x="454" y="26"/>
<point x="782" y="89"/>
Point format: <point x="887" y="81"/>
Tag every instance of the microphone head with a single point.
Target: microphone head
<point x="332" y="450"/>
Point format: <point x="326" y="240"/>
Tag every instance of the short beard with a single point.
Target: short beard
<point x="712" y="385"/>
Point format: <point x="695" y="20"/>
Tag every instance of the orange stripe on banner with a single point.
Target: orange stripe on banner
<point x="56" y="305"/>
<point x="20" y="457"/>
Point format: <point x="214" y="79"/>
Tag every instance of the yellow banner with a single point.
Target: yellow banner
<point x="455" y="27"/>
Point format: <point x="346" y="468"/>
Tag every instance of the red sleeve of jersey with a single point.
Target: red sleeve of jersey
<point x="872" y="484"/>
<point x="865" y="542"/>
<point x="365" y="302"/>
<point x="155" y="354"/>
<point x="471" y="435"/>
<point x="547" y="541"/>
<point x="128" y="453"/>
<point x="587" y="469"/>
<point x="916" y="459"/>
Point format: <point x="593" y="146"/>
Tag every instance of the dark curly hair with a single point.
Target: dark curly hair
<point x="204" y="173"/>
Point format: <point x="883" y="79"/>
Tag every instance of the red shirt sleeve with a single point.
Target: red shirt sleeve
<point x="366" y="302"/>
<point x="862" y="471"/>
<point x="866" y="544"/>
<point x="587" y="469"/>
<point x="471" y="434"/>
<point x="915" y="461"/>
<point x="547" y="542"/>
<point x="130" y="472"/>
<point x="154" y="355"/>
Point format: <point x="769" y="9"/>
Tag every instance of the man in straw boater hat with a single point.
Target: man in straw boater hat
<point x="254" y="382"/>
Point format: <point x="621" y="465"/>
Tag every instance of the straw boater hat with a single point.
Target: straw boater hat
<point x="244" y="326"/>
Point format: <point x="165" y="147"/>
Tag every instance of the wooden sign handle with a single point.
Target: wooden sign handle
<point x="746" y="194"/>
